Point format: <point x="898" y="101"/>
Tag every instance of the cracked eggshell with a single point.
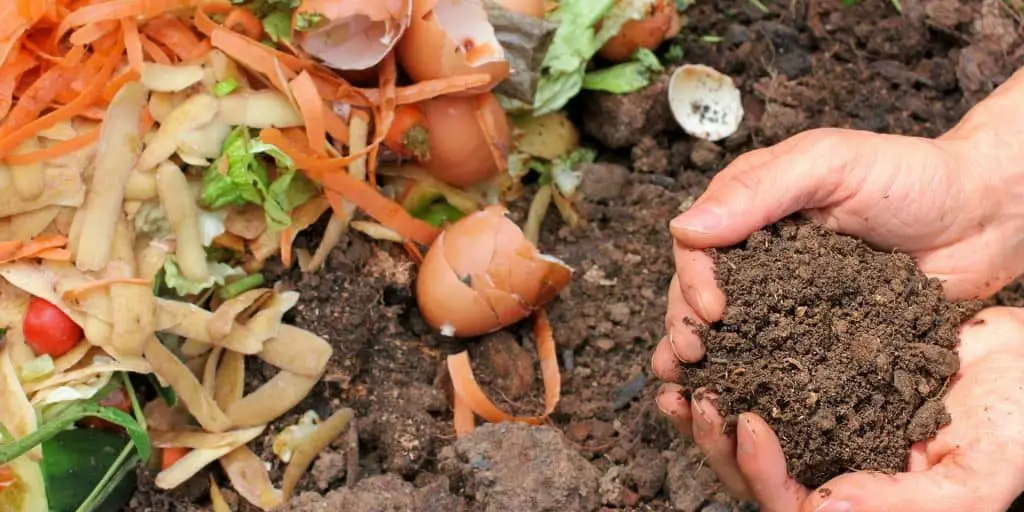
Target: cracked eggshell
<point x="482" y="274"/>
<point x="661" y="22"/>
<point x="705" y="103"/>
<point x="449" y="38"/>
<point x="534" y="8"/>
<point x="355" y="35"/>
<point x="469" y="138"/>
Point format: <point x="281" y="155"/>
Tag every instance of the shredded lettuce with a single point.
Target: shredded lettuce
<point x="626" y="77"/>
<point x="275" y="14"/>
<point x="239" y="176"/>
<point x="576" y="42"/>
<point x="219" y="273"/>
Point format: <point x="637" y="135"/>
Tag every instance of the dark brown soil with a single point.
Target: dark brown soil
<point x="844" y="350"/>
<point x="804" y="64"/>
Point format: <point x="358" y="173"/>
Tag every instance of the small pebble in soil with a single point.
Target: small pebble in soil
<point x="843" y="350"/>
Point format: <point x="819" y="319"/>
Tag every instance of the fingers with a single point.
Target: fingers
<point x="802" y="172"/>
<point x="696" y="274"/>
<point x="763" y="465"/>
<point x="992" y="330"/>
<point x="720" y="449"/>
<point x="676" y="408"/>
<point x="664" y="362"/>
<point x="679" y="323"/>
<point x="945" y="487"/>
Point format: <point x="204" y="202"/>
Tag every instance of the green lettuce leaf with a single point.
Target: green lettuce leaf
<point x="239" y="177"/>
<point x="575" y="43"/>
<point x="626" y="77"/>
<point x="219" y="273"/>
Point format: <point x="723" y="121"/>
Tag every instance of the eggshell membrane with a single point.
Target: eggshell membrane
<point x="432" y="46"/>
<point x="706" y="103"/>
<point x="648" y="32"/>
<point x="357" y="34"/>
<point x="463" y="152"/>
<point x="533" y="8"/>
<point x="508" y="277"/>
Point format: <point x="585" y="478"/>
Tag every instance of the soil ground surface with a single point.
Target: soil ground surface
<point x="844" y="350"/>
<point x="803" y="64"/>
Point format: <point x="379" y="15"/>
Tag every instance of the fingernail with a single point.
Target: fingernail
<point x="747" y="442"/>
<point x="700" y="219"/>
<point x="705" y="419"/>
<point x="834" y="506"/>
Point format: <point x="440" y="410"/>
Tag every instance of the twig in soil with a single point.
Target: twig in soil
<point x="352" y="457"/>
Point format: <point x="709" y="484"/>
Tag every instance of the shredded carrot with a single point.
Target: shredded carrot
<point x="175" y="35"/>
<point x="312" y="109"/>
<point x="414" y="252"/>
<point x="153" y="50"/>
<point x="429" y="89"/>
<point x="287" y="239"/>
<point x="370" y="200"/>
<point x="88" y="97"/>
<point x="75" y="293"/>
<point x="244" y="21"/>
<point x="54" y="255"/>
<point x="32" y="248"/>
<point x="91" y="33"/>
<point x="132" y="43"/>
<point x="36" y="98"/>
<point x="172" y="454"/>
<point x="10" y="74"/>
<point x="115" y="85"/>
<point x="385" y="112"/>
<point x="9" y="248"/>
<point x="468" y="390"/>
<point x="251" y="54"/>
<point x="57" y="150"/>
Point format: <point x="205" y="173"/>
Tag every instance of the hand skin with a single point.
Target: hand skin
<point x="955" y="203"/>
<point x="974" y="464"/>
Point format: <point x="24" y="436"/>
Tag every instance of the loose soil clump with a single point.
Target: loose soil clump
<point x="845" y="351"/>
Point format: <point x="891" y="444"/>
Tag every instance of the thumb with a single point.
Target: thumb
<point x="764" y="186"/>
<point x="943" y="488"/>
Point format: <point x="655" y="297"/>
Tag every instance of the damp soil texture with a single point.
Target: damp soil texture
<point x="799" y="64"/>
<point x="845" y="351"/>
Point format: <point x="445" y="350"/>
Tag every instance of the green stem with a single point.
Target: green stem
<point x="126" y="461"/>
<point x="236" y="288"/>
<point x="66" y="418"/>
<point x="140" y="416"/>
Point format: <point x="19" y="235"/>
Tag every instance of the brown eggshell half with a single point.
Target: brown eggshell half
<point x="449" y="38"/>
<point x="648" y="32"/>
<point x="460" y="300"/>
<point x="533" y="8"/>
<point x="464" y="151"/>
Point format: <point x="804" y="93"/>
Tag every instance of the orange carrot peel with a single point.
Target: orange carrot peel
<point x="470" y="399"/>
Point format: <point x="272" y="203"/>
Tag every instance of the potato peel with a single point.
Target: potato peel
<point x="469" y="395"/>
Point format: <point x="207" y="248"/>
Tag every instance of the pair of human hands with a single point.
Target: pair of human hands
<point x="948" y="202"/>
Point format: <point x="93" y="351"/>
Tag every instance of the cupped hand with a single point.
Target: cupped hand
<point x="933" y="199"/>
<point x="975" y="463"/>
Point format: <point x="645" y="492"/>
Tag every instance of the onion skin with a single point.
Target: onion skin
<point x="460" y="145"/>
<point x="482" y="274"/>
<point x="649" y="32"/>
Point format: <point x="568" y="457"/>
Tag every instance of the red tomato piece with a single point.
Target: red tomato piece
<point x="48" y="330"/>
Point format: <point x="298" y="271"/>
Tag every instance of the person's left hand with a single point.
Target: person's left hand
<point x="976" y="463"/>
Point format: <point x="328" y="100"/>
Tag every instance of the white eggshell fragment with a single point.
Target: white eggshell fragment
<point x="705" y="103"/>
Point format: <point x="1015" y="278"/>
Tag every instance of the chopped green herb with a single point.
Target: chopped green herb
<point x="278" y="26"/>
<point x="711" y="39"/>
<point x="675" y="53"/>
<point x="225" y="87"/>
<point x="439" y="213"/>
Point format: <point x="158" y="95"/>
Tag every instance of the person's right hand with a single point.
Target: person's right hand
<point x="933" y="199"/>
